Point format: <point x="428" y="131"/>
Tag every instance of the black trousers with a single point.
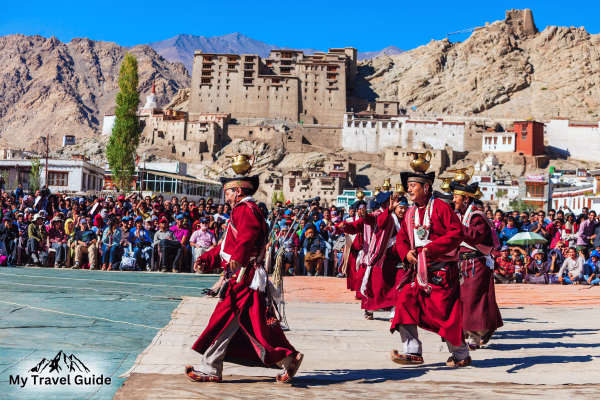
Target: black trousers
<point x="167" y="249"/>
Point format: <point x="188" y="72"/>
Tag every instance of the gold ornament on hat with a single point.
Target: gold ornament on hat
<point x="461" y="175"/>
<point x="386" y="185"/>
<point x="241" y="165"/>
<point x="446" y="183"/>
<point x="359" y="194"/>
<point x="420" y="163"/>
<point x="478" y="194"/>
<point x="400" y="189"/>
<point x="377" y="191"/>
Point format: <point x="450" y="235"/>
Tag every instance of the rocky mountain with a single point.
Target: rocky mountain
<point x="55" y="88"/>
<point x="504" y="69"/>
<point x="181" y="47"/>
<point x="390" y="51"/>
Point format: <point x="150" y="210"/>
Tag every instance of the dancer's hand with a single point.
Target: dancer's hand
<point x="411" y="257"/>
<point x="234" y="266"/>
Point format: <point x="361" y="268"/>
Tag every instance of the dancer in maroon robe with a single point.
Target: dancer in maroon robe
<point x="380" y="281"/>
<point x="354" y="245"/>
<point x="239" y="331"/>
<point x="364" y="227"/>
<point x="480" y="313"/>
<point x="430" y="291"/>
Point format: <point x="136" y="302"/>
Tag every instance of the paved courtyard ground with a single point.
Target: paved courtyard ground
<point x="550" y="345"/>
<point x="138" y="328"/>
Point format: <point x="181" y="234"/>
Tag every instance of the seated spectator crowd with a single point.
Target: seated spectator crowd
<point x="122" y="233"/>
<point x="570" y="256"/>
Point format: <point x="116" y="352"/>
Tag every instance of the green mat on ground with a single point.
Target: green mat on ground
<point x="100" y="320"/>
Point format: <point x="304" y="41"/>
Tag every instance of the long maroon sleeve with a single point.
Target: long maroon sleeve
<point x="447" y="228"/>
<point x="477" y="231"/>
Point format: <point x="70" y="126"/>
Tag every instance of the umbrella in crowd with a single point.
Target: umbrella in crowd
<point x="527" y="239"/>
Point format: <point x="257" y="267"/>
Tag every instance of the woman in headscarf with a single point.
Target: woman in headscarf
<point x="99" y="225"/>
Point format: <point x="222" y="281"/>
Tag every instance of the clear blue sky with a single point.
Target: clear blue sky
<point x="367" y="25"/>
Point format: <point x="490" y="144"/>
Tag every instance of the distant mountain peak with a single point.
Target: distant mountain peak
<point x="181" y="48"/>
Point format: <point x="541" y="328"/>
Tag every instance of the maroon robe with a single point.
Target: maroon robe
<point x="255" y="343"/>
<point x="381" y="287"/>
<point x="478" y="295"/>
<point x="351" y="272"/>
<point x="440" y="310"/>
<point x="358" y="228"/>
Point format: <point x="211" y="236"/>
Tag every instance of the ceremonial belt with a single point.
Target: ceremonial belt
<point x="437" y="266"/>
<point x="471" y="255"/>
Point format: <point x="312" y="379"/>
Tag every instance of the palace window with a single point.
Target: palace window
<point x="58" y="178"/>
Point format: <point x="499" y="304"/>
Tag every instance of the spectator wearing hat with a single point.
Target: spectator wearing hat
<point x="85" y="241"/>
<point x="58" y="241"/>
<point x="139" y="237"/>
<point x="537" y="269"/>
<point x="168" y="245"/>
<point x="202" y="240"/>
<point x="505" y="267"/>
<point x="9" y="233"/>
<point x="182" y="234"/>
<point x="37" y="234"/>
<point x="315" y="251"/>
<point x="112" y="240"/>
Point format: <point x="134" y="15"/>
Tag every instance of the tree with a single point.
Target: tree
<point x="521" y="206"/>
<point x="281" y="197"/>
<point x="35" y="176"/>
<point x="125" y="135"/>
<point x="274" y="199"/>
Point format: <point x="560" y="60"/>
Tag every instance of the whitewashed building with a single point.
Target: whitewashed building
<point x="490" y="186"/>
<point x="64" y="175"/>
<point x="578" y="140"/>
<point x="498" y="142"/>
<point x="371" y="133"/>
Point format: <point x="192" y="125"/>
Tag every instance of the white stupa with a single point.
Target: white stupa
<point x="151" y="100"/>
<point x="491" y="160"/>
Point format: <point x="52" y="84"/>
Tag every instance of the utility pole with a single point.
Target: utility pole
<point x="47" y="149"/>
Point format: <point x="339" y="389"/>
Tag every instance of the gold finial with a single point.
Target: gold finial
<point x="478" y="194"/>
<point x="446" y="183"/>
<point x="386" y="185"/>
<point x="461" y="175"/>
<point x="400" y="189"/>
<point x="419" y="163"/>
<point x="241" y="165"/>
<point x="377" y="191"/>
<point x="359" y="194"/>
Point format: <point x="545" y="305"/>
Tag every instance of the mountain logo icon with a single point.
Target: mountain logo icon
<point x="59" y="363"/>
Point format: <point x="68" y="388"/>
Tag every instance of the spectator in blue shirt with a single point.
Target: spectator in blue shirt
<point x="137" y="236"/>
<point x="526" y="225"/>
<point x="591" y="268"/>
<point x="19" y="192"/>
<point x="508" y="232"/>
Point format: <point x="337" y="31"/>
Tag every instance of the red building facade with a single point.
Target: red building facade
<point x="530" y="138"/>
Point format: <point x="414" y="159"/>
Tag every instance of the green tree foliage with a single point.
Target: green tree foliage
<point x="274" y="199"/>
<point x="281" y="197"/>
<point x="521" y="206"/>
<point x="35" y="176"/>
<point x="125" y="135"/>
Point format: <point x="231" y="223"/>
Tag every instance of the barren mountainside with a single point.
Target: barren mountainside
<point x="501" y="70"/>
<point x="50" y="87"/>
